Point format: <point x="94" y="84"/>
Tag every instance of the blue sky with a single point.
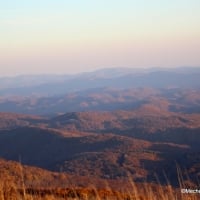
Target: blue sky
<point x="72" y="36"/>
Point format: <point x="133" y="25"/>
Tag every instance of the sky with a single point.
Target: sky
<point x="62" y="36"/>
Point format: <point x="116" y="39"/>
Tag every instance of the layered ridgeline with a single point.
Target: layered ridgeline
<point x="109" y="145"/>
<point x="183" y="100"/>
<point x="113" y="77"/>
<point x="111" y="125"/>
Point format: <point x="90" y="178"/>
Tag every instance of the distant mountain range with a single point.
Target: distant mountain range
<point x="105" y="90"/>
<point x="113" y="77"/>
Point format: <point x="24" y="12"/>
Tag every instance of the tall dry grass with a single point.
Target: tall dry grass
<point x="10" y="191"/>
<point x="143" y="191"/>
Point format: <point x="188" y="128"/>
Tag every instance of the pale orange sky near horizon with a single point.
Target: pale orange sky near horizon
<point x="69" y="37"/>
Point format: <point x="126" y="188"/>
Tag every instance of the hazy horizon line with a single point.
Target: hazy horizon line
<point x="96" y="70"/>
